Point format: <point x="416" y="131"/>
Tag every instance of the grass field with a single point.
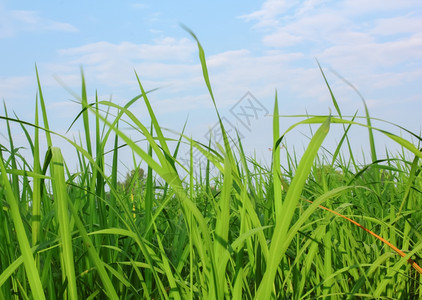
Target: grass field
<point x="321" y="226"/>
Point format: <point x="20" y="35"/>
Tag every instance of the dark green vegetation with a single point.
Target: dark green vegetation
<point x="246" y="233"/>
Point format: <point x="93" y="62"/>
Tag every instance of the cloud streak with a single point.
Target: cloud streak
<point x="16" y="21"/>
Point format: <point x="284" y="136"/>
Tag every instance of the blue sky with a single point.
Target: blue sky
<point x="251" y="46"/>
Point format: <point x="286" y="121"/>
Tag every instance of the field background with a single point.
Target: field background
<point x="322" y="225"/>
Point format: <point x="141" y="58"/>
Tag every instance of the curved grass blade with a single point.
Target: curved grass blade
<point x="320" y="119"/>
<point x="368" y="118"/>
<point x="207" y="82"/>
<point x="288" y="208"/>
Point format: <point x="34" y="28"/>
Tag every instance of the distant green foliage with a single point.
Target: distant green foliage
<point x="134" y="181"/>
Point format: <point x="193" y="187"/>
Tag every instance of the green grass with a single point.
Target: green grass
<point x="322" y="226"/>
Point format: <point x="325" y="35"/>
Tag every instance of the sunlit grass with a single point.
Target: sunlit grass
<point x="321" y="226"/>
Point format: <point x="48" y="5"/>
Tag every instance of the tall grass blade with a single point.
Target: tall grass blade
<point x="61" y="202"/>
<point x="36" y="194"/>
<point x="28" y="258"/>
<point x="85" y="117"/>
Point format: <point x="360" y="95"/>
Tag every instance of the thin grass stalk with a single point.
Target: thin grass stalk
<point x="113" y="182"/>
<point x="149" y="188"/>
<point x="12" y="158"/>
<point x="278" y="200"/>
<point x="43" y="109"/>
<point x="36" y="193"/>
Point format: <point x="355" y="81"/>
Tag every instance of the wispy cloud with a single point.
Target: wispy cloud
<point x="167" y="48"/>
<point x="16" y="21"/>
<point x="397" y="25"/>
<point x="268" y="15"/>
<point x="367" y="40"/>
<point x="361" y="7"/>
<point x="15" y="87"/>
<point x="165" y="61"/>
<point x="139" y="5"/>
<point x="173" y="64"/>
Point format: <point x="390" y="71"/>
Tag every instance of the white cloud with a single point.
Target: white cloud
<point x="315" y="28"/>
<point x="139" y="5"/>
<point x="182" y="104"/>
<point x="281" y="38"/>
<point x="334" y="22"/>
<point x="14" y="88"/>
<point x="309" y="5"/>
<point x="349" y="38"/>
<point x="267" y="15"/>
<point x="370" y="57"/>
<point x="397" y="25"/>
<point x="16" y="21"/>
<point x="222" y="59"/>
<point x="354" y="35"/>
<point x="165" y="62"/>
<point x="31" y="20"/>
<point x="173" y="64"/>
<point x="163" y="49"/>
<point x="361" y="7"/>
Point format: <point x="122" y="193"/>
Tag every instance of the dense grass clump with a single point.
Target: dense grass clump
<point x="321" y="226"/>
